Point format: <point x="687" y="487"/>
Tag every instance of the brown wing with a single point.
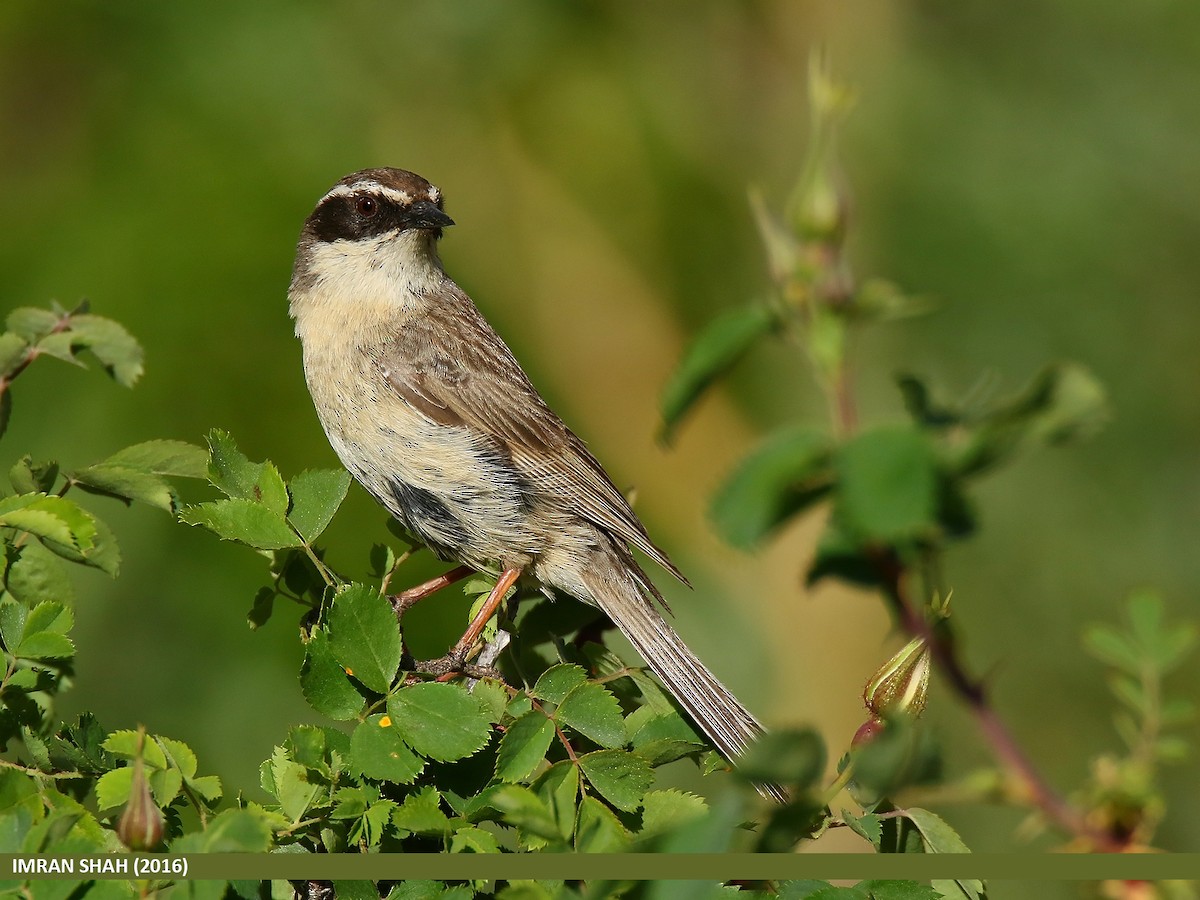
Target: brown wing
<point x="454" y="369"/>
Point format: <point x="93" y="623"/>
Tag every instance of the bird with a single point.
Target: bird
<point x="431" y="412"/>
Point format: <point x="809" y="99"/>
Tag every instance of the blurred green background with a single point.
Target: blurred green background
<point x="1031" y="167"/>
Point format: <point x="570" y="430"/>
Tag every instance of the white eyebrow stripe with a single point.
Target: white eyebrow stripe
<point x="373" y="187"/>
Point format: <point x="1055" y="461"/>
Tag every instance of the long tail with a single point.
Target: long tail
<point x="728" y="724"/>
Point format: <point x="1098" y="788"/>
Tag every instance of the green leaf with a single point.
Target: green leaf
<point x="12" y="352"/>
<point x="36" y="575"/>
<point x="593" y="711"/>
<point x="316" y="496"/>
<point x="377" y="751"/>
<point x="28" y="477"/>
<point x="12" y="622"/>
<point x="524" y="746"/>
<point x="1063" y="402"/>
<point x="782" y="477"/>
<point x="712" y="353"/>
<point x="621" y="778"/>
<point x="801" y="889"/>
<point x="355" y="890"/>
<point x="291" y="785"/>
<point x="231" y="471"/>
<point x="31" y="323"/>
<point x="104" y="554"/>
<point x="1165" y="645"/>
<point x="44" y="645"/>
<point x="237" y="831"/>
<point x="887" y="484"/>
<point x="324" y="682"/>
<point x="937" y="835"/>
<point x="365" y="636"/>
<point x="440" y="720"/>
<point x="163" y="457"/>
<point x="118" y="351"/>
<point x="599" y="830"/>
<point x="1111" y="646"/>
<point x="128" y="484"/>
<point x="897" y="890"/>
<point x="867" y="826"/>
<point x="45" y="633"/>
<point x="665" y="811"/>
<point x="470" y="839"/>
<point x="244" y="521"/>
<point x="558" y="681"/>
<point x="791" y="757"/>
<point x="558" y="787"/>
<point x="518" y="807"/>
<point x="421" y="813"/>
<point x="50" y="518"/>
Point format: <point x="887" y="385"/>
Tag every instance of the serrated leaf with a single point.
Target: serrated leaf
<point x="365" y="636"/>
<point x="936" y="833"/>
<point x="887" y="484"/>
<point x="782" y="477"/>
<point x="124" y="743"/>
<point x="163" y="457"/>
<point x="31" y="323"/>
<point x="712" y="352"/>
<point x="50" y="518"/>
<point x="558" y="681"/>
<point x="421" y="813"/>
<point x="118" y="351"/>
<point x="104" y="554"/>
<point x="664" y="811"/>
<point x="867" y="826"/>
<point x="244" y="521"/>
<point x="599" y="830"/>
<point x="291" y="785"/>
<point x="621" y="778"/>
<point x="316" y="496"/>
<point x="519" y="807"/>
<point x="232" y="471"/>
<point x="45" y="633"/>
<point x="112" y="788"/>
<point x="377" y="751"/>
<point x="493" y="696"/>
<point x="524" y="746"/>
<point x="237" y="831"/>
<point x="28" y="477"/>
<point x="558" y="787"/>
<point x="128" y="484"/>
<point x="45" y="645"/>
<point x="36" y="576"/>
<point x="470" y="839"/>
<point x="179" y="755"/>
<point x="440" y="720"/>
<point x="593" y="711"/>
<point x="324" y="682"/>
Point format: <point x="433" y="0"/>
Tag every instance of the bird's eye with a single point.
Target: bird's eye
<point x="366" y="206"/>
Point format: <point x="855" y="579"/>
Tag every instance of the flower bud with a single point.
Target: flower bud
<point x="902" y="683"/>
<point x="141" y="823"/>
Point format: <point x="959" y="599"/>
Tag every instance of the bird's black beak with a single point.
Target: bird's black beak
<point x="424" y="214"/>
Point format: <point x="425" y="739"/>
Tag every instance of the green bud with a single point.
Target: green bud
<point x="901" y="684"/>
